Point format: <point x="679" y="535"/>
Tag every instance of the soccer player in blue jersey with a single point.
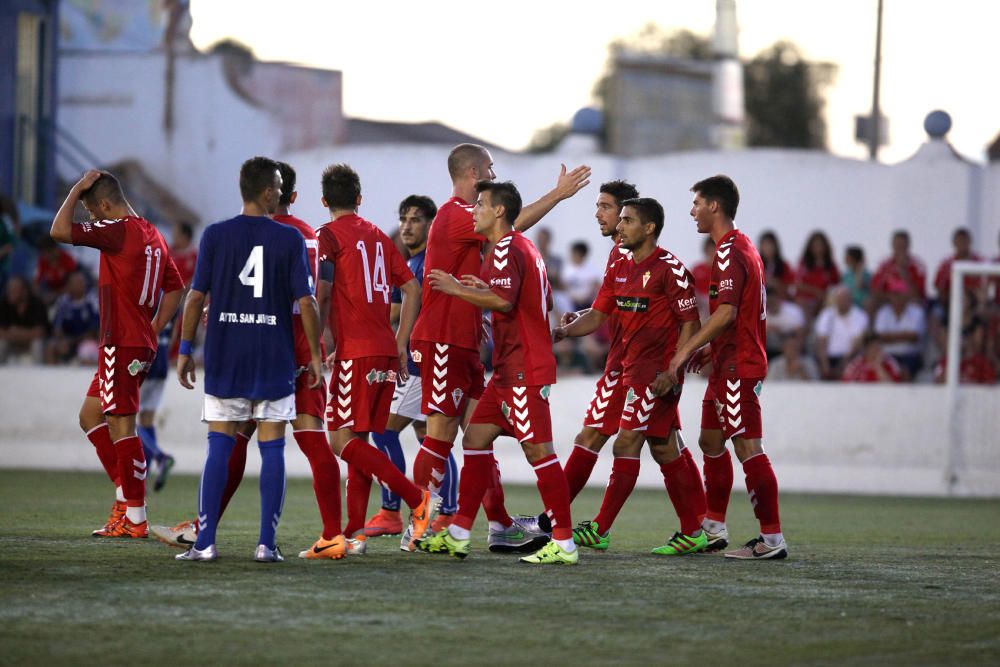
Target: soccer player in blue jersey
<point x="416" y="213"/>
<point x="254" y="269"/>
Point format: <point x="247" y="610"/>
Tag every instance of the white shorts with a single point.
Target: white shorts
<point x="244" y="409"/>
<point x="406" y="400"/>
<point x="151" y="394"/>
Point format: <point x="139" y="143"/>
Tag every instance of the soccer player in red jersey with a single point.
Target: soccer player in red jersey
<point x="135" y="271"/>
<point x="368" y="357"/>
<point x="652" y="295"/>
<point x="605" y="410"/>
<point x="448" y="331"/>
<point x="736" y="330"/>
<point x="516" y="401"/>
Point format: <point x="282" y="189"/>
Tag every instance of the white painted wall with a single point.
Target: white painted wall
<point x="871" y="439"/>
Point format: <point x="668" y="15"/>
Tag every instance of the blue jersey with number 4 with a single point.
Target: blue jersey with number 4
<point x="253" y="269"/>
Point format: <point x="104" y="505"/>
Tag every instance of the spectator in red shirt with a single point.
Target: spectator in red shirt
<point x="702" y="272"/>
<point x="778" y="275"/>
<point x="872" y="365"/>
<point x="183" y="251"/>
<point x="54" y="267"/>
<point x="961" y="241"/>
<point x="903" y="266"/>
<point x="816" y="274"/>
<point x="976" y="367"/>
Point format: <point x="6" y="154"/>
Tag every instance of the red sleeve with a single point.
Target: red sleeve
<point x="732" y="274"/>
<point x="101" y="234"/>
<point x="461" y="227"/>
<point x="605" y="300"/>
<point x="680" y="291"/>
<point x="172" y="279"/>
<point x="505" y="275"/>
<point x="399" y="271"/>
<point x="328" y="245"/>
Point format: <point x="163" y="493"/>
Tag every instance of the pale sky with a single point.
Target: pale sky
<point x="502" y="70"/>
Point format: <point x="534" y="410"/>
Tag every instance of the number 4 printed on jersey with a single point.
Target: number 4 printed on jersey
<point x="252" y="274"/>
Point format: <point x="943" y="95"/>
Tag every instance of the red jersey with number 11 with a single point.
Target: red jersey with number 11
<point x="302" y="353"/>
<point x="135" y="268"/>
<point x="738" y="280"/>
<point x="366" y="266"/>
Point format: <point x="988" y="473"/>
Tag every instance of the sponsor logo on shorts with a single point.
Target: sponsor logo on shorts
<point x="759" y="387"/>
<point x="375" y="376"/>
<point x="135" y="367"/>
<point x="631" y="397"/>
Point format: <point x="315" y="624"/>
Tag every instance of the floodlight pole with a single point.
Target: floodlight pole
<point x="874" y="127"/>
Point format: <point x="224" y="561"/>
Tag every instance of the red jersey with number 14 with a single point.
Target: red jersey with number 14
<point x="135" y="268"/>
<point x="302" y="353"/>
<point x="366" y="266"/>
<point x="738" y="280"/>
<point x="522" y="342"/>
<point x="454" y="247"/>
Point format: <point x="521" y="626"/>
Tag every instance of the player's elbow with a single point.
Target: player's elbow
<point x="59" y="234"/>
<point x="728" y="314"/>
<point x="503" y="306"/>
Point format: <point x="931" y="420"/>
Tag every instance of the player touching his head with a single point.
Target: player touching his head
<point x="368" y="358"/>
<point x="730" y="410"/>
<point x="140" y="289"/>
<point x="652" y="294"/>
<point x="516" y="401"/>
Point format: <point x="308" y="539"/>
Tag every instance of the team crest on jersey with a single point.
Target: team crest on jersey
<point x="759" y="387"/>
<point x="545" y="391"/>
<point x="456" y="396"/>
<point x="136" y="367"/>
<point x="505" y="409"/>
<point x="645" y="278"/>
<point x="417" y="357"/>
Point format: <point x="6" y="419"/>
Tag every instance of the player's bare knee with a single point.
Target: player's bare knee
<point x="628" y="443"/>
<point x="535" y="451"/>
<point x="590" y="438"/>
<point x="711" y="442"/>
<point x="744" y="449"/>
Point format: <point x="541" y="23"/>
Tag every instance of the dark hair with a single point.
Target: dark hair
<point x="105" y="188"/>
<point x="186" y="228"/>
<point x="462" y="157"/>
<point x="620" y="190"/>
<point x="779" y="260"/>
<point x="809" y="261"/>
<point x="256" y="175"/>
<point x="856" y="252"/>
<point x="423" y="204"/>
<point x="720" y="189"/>
<point x="580" y="247"/>
<point x="341" y="187"/>
<point x="901" y="234"/>
<point x="503" y="194"/>
<point x="961" y="231"/>
<point x="649" y="210"/>
<point x="287" y="183"/>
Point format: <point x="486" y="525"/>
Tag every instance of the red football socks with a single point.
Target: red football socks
<point x="359" y="490"/>
<point x="718" y="484"/>
<point x="624" y="473"/>
<point x="579" y="467"/>
<point x="132" y="470"/>
<point x="235" y="469"/>
<point x="555" y="496"/>
<point x="686" y="493"/>
<point x="431" y="463"/>
<point x="494" y="504"/>
<point x="478" y="469"/>
<point x="701" y="503"/>
<point x="326" y="478"/>
<point x="374" y="463"/>
<point x="762" y="486"/>
<point x="100" y="437"/>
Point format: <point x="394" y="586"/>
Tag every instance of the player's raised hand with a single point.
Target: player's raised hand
<point x="571" y="182"/>
<point x="442" y="281"/>
<point x="315" y="372"/>
<point x="475" y="282"/>
<point x="89" y="178"/>
<point x="185" y="371"/>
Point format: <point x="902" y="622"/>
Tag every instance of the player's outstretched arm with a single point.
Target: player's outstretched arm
<point x="587" y="322"/>
<point x="311" y="326"/>
<point x="407" y="316"/>
<point x="189" y="327"/>
<point x="481" y="297"/>
<point x="62" y="224"/>
<point x="721" y="319"/>
<point x="567" y="185"/>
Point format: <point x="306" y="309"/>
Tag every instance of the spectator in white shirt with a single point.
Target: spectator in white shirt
<point x="901" y="326"/>
<point x="839" y="330"/>
<point x="581" y="278"/>
<point x="786" y="334"/>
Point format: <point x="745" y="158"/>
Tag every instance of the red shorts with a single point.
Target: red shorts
<point x="361" y="393"/>
<point x="731" y="404"/>
<point x="644" y="411"/>
<point x="449" y="377"/>
<point x="605" y="409"/>
<point x="309" y="401"/>
<point x="120" y="372"/>
<point x="522" y="412"/>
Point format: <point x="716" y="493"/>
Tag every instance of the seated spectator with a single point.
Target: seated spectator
<point x="857" y="277"/>
<point x="976" y="367"/>
<point x="54" y="267"/>
<point x="901" y="326"/>
<point x="24" y="321"/>
<point x="816" y="274"/>
<point x="702" y="272"/>
<point x="77" y="318"/>
<point x="786" y="323"/>
<point x="8" y="236"/>
<point x="901" y="266"/>
<point x="185" y="253"/>
<point x="777" y="273"/>
<point x="581" y="278"/>
<point x="872" y="364"/>
<point x="961" y="241"/>
<point x="839" y="330"/>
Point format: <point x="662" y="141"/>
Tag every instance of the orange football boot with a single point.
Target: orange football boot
<point x="125" y="528"/>
<point x="334" y="549"/>
<point x="386" y="522"/>
<point x="117" y="512"/>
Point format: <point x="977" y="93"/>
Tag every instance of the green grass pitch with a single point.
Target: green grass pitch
<point x="877" y="581"/>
